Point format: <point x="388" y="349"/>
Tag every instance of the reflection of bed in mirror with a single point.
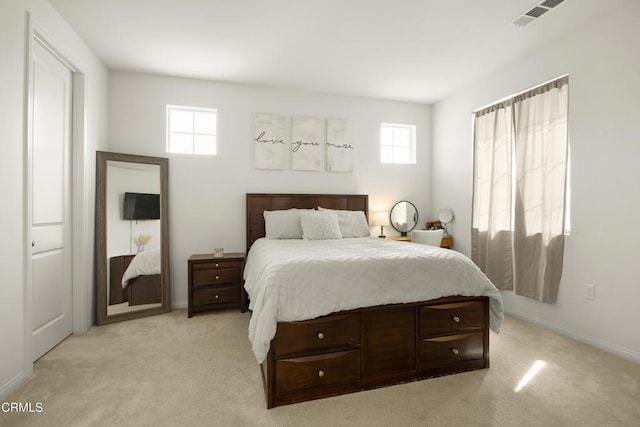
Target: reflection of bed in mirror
<point x="135" y="279"/>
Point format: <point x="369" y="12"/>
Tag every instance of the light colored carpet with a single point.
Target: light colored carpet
<point x="168" y="370"/>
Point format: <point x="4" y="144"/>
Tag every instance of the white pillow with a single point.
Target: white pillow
<point x="282" y="224"/>
<point x="319" y="225"/>
<point x="351" y="223"/>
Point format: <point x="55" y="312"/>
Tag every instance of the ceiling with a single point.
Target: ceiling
<point x="407" y="50"/>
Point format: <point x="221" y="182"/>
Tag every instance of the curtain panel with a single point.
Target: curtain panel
<point x="520" y="170"/>
<point x="491" y="237"/>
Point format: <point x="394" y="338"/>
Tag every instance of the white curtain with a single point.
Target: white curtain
<point x="525" y="251"/>
<point x="541" y="174"/>
<point x="492" y="189"/>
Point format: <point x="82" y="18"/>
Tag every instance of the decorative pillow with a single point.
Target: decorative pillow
<point x="319" y="225"/>
<point x="282" y="224"/>
<point x="351" y="223"/>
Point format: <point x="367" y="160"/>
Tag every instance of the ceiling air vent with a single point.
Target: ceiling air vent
<point x="535" y="12"/>
<point x="551" y="3"/>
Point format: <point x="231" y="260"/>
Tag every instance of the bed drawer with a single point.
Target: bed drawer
<point x="324" y="333"/>
<point x="451" y="349"/>
<point x="451" y="317"/>
<point x="219" y="276"/>
<point x="301" y="373"/>
<point x="217" y="295"/>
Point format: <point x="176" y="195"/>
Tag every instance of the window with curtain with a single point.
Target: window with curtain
<point x="519" y="190"/>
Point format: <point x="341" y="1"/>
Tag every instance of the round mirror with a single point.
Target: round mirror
<point x="445" y="216"/>
<point x="404" y="217"/>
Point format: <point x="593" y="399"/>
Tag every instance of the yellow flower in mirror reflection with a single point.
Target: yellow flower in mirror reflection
<point x="143" y="239"/>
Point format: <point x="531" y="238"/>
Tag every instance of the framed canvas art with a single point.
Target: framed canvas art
<point x="339" y="146"/>
<point x="306" y="145"/>
<point x="270" y="148"/>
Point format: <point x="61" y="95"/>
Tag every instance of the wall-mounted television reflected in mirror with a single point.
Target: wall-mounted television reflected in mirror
<point x="138" y="206"/>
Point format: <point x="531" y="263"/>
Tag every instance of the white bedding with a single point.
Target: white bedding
<point x="144" y="263"/>
<point x="289" y="280"/>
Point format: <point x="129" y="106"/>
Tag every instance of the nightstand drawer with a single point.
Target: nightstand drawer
<point x="216" y="276"/>
<point x="216" y="295"/>
<point x="452" y="317"/>
<point x="221" y="263"/>
<point x="449" y="350"/>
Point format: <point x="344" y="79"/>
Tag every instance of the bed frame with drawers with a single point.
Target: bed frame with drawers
<point x="367" y="347"/>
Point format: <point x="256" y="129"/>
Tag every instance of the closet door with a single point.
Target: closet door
<point x="51" y="278"/>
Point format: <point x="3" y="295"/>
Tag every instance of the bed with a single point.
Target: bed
<point x="342" y="315"/>
<point x="135" y="279"/>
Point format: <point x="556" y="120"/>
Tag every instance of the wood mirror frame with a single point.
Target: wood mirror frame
<point x="102" y="161"/>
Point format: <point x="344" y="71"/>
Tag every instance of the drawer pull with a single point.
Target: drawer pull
<point x="320" y="373"/>
<point x="217" y="277"/>
<point x="320" y="336"/>
<point x="217" y="265"/>
<point x="217" y="296"/>
<point x="455" y="351"/>
<point x="456" y="319"/>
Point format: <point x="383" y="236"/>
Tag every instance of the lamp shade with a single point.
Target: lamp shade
<point x="380" y="218"/>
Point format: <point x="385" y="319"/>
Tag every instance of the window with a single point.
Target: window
<point x="191" y="130"/>
<point x="397" y="143"/>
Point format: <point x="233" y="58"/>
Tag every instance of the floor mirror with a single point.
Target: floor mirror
<point x="132" y="236"/>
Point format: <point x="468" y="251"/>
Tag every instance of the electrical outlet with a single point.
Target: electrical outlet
<point x="590" y="291"/>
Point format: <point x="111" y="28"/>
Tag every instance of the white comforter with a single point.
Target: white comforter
<point x="144" y="263"/>
<point x="289" y="280"/>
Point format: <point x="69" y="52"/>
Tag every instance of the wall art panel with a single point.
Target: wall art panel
<point x="339" y="146"/>
<point x="306" y="145"/>
<point x="269" y="140"/>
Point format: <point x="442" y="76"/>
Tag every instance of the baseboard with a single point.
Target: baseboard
<point x="586" y="339"/>
<point x="178" y="305"/>
<point x="13" y="385"/>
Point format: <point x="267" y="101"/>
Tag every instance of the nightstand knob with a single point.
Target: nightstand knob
<point x="320" y="373"/>
<point x="456" y="319"/>
<point x="217" y="265"/>
<point x="217" y="277"/>
<point x="217" y="296"/>
<point x="320" y="336"/>
<point x="455" y="351"/>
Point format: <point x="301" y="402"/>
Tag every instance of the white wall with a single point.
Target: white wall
<point x="604" y="102"/>
<point x="207" y="194"/>
<point x="15" y="363"/>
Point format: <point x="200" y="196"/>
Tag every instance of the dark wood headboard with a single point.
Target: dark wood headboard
<point x="257" y="203"/>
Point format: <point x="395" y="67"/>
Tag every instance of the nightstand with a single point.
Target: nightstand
<point x="216" y="282"/>
<point x="447" y="241"/>
<point x="400" y="238"/>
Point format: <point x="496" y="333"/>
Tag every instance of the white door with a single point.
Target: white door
<point x="51" y="307"/>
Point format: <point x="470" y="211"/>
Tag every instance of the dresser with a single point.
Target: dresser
<point x="216" y="282"/>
